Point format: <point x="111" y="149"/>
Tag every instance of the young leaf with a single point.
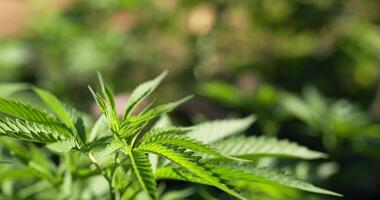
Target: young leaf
<point x="107" y="106"/>
<point x="109" y="100"/>
<point x="135" y="124"/>
<point x="140" y="93"/>
<point x="209" y="132"/>
<point x="157" y="111"/>
<point x="55" y="105"/>
<point x="253" y="147"/>
<point x="185" y="158"/>
<point x="265" y="175"/>
<point x="144" y="173"/>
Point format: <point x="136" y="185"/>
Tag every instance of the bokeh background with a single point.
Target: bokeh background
<point x="309" y="69"/>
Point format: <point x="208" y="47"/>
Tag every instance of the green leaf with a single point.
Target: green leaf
<point x="107" y="109"/>
<point x="268" y="176"/>
<point x="157" y="111"/>
<point x="144" y="173"/>
<point x="55" y="105"/>
<point x="62" y="146"/>
<point x="171" y="173"/>
<point x="25" y="111"/>
<point x="77" y="119"/>
<point x="253" y="147"/>
<point x="32" y="131"/>
<point x="134" y="124"/>
<point x="33" y="158"/>
<point x="109" y="100"/>
<point x="98" y="128"/>
<point x="185" y="158"/>
<point x="140" y="93"/>
<point x="184" y="142"/>
<point x="209" y="132"/>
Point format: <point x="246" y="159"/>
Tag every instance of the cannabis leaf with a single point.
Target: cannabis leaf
<point x="131" y="153"/>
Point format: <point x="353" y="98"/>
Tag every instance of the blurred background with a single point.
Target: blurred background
<point x="308" y="69"/>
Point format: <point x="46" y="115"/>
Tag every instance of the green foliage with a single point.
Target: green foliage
<point x="122" y="150"/>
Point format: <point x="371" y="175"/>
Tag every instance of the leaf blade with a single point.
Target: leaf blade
<point x="212" y="131"/>
<point x="144" y="173"/>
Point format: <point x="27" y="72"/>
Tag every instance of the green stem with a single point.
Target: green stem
<point x="109" y="179"/>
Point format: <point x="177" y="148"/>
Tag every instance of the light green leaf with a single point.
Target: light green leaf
<point x="99" y="128"/>
<point x="62" y="146"/>
<point x="141" y="92"/>
<point x="132" y="125"/>
<point x="212" y="131"/>
<point x="157" y="111"/>
<point x="253" y="147"/>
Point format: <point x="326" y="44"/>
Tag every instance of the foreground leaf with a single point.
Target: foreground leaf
<point x="144" y="173"/>
<point x="185" y="158"/>
<point x="31" y="131"/>
<point x="184" y="142"/>
<point x="25" y="111"/>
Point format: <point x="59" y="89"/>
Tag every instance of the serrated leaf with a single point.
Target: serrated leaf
<point x="108" y="96"/>
<point x="185" y="158"/>
<point x="144" y="173"/>
<point x="157" y="111"/>
<point x="25" y="111"/>
<point x="140" y="93"/>
<point x="107" y="109"/>
<point x="171" y="173"/>
<point x="253" y="147"/>
<point x="184" y="142"/>
<point x="32" y="131"/>
<point x="134" y="124"/>
<point x="212" y="131"/>
<point x="268" y="176"/>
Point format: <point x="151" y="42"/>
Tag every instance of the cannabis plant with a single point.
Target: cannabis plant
<point x="124" y="156"/>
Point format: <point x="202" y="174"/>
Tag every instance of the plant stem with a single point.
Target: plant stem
<point x="109" y="180"/>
